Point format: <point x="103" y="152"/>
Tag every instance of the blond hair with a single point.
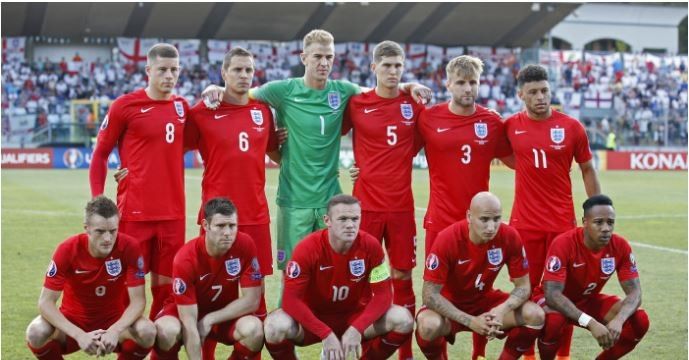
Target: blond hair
<point x="318" y="36"/>
<point x="464" y="66"/>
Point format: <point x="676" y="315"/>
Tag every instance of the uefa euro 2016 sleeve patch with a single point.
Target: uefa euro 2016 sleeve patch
<point x="379" y="273"/>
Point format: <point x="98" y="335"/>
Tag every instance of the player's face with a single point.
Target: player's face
<point x="239" y="74"/>
<point x="536" y="97"/>
<point x="221" y="232"/>
<point x="484" y="223"/>
<point x="388" y="71"/>
<point x="163" y="74"/>
<point x="343" y="222"/>
<point x="599" y="224"/>
<point x="464" y="88"/>
<point x="102" y="233"/>
<point x="318" y="60"/>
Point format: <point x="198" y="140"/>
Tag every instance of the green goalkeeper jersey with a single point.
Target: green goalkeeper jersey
<point x="310" y="157"/>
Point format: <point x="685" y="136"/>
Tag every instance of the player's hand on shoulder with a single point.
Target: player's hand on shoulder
<point x="601" y="334"/>
<point x="282" y="135"/>
<point x="120" y="174"/>
<point x="354" y="173"/>
<point x="421" y="94"/>
<point x="351" y="343"/>
<point x="332" y="349"/>
<point x="212" y="96"/>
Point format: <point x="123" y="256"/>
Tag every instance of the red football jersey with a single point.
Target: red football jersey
<point x="385" y="142"/>
<point x="584" y="272"/>
<point x="150" y="137"/>
<point x="95" y="287"/>
<point x="466" y="270"/>
<point x="459" y="150"/>
<point x="543" y="152"/>
<point x="210" y="282"/>
<point x="233" y="141"/>
<point x="333" y="283"/>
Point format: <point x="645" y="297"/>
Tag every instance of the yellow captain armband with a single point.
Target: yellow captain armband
<point x="379" y="273"/>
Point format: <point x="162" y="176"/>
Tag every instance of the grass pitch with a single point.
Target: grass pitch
<point x="40" y="208"/>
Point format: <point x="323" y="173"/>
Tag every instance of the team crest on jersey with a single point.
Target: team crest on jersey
<point x="113" y="267"/>
<point x="105" y="123"/>
<point x="554" y="264"/>
<point x="52" y="269"/>
<point x="293" y="270"/>
<point x="481" y="130"/>
<point x="233" y="267"/>
<point x="557" y="135"/>
<point x="257" y="117"/>
<point x="432" y="262"/>
<point x="357" y="267"/>
<point x="178" y="286"/>
<point x="607" y="265"/>
<point x="495" y="256"/>
<point x="334" y="100"/>
<point x="179" y="108"/>
<point x="407" y="111"/>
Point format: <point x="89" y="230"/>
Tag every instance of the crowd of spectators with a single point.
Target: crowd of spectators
<point x="646" y="96"/>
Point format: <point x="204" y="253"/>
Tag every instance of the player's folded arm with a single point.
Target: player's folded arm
<point x="556" y="300"/>
<point x="381" y="288"/>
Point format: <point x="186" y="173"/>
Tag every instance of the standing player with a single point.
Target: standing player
<point x="97" y="270"/>
<point x="233" y="141"/>
<point x="208" y="272"/>
<point x="461" y="140"/>
<point x="385" y="142"/>
<point x="544" y="143"/>
<point x="579" y="264"/>
<point x="147" y="126"/>
<point x="458" y="284"/>
<point x="337" y="291"/>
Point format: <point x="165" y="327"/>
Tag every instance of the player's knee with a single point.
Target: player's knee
<point x="533" y="314"/>
<point x="250" y="328"/>
<point x="146" y="332"/>
<point x="167" y="332"/>
<point x="428" y="325"/>
<point x="38" y="332"/>
<point x="401" y="318"/>
<point x="276" y="326"/>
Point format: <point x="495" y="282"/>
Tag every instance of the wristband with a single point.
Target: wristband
<point x="584" y="320"/>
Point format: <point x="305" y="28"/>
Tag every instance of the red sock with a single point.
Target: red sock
<point x="633" y="331"/>
<point x="50" y="351"/>
<point x="208" y="349"/>
<point x="403" y="295"/>
<point x="160" y="293"/>
<point x="283" y="350"/>
<point x="130" y="350"/>
<point x="519" y="340"/>
<point x="550" y="336"/>
<point x="385" y="345"/>
<point x="565" y="341"/>
<point x="434" y="349"/>
<point x="262" y="311"/>
<point x="242" y="352"/>
<point x="480" y="342"/>
<point x="160" y="354"/>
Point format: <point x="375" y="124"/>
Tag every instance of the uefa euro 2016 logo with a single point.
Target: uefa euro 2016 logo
<point x="73" y="158"/>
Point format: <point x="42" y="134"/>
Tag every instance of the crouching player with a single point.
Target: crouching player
<point x="578" y="265"/>
<point x="97" y="270"/>
<point x="207" y="273"/>
<point x="458" y="289"/>
<point x="338" y="292"/>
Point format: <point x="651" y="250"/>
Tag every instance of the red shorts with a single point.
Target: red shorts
<point x="260" y="233"/>
<point x="159" y="241"/>
<point x="597" y="306"/>
<point x="339" y="323"/>
<point x="71" y="345"/>
<point x="221" y="333"/>
<point x="488" y="301"/>
<point x="536" y="245"/>
<point x="398" y="229"/>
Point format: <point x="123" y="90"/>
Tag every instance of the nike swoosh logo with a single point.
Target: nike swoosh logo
<point x="519" y="132"/>
<point x="324" y="267"/>
<point x="146" y="110"/>
<point x="77" y="271"/>
<point x="367" y="111"/>
<point x="442" y="130"/>
<point x="219" y="116"/>
<point x="579" y="265"/>
<point x="203" y="277"/>
<point x="460" y="262"/>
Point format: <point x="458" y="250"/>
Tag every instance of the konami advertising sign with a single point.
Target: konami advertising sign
<point x="646" y="160"/>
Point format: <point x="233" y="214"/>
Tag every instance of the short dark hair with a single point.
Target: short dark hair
<point x="218" y="205"/>
<point x="162" y="50"/>
<point x="235" y="51"/>
<point x="341" y="199"/>
<point x="387" y="48"/>
<point x="531" y="73"/>
<point x="594" y="200"/>
<point x="100" y="205"/>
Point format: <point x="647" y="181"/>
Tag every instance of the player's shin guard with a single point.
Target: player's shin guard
<point x="50" y="351"/>
<point x="479" y="342"/>
<point x="242" y="352"/>
<point x="633" y="331"/>
<point x="160" y="354"/>
<point x="283" y="350"/>
<point x="565" y="342"/>
<point x="403" y="295"/>
<point x="130" y="350"/>
<point x="434" y="349"/>
<point x="519" y="340"/>
<point x="385" y="345"/>
<point x="549" y="341"/>
<point x="159" y="294"/>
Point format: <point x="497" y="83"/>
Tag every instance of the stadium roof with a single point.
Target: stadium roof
<point x="448" y="24"/>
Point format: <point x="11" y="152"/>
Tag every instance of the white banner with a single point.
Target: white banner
<point x="13" y="48"/>
<point x="135" y="49"/>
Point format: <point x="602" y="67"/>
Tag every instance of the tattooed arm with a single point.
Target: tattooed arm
<point x="438" y="303"/>
<point x="631" y="302"/>
<point x="518" y="296"/>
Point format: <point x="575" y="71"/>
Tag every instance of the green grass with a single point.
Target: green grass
<point x="40" y="208"/>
